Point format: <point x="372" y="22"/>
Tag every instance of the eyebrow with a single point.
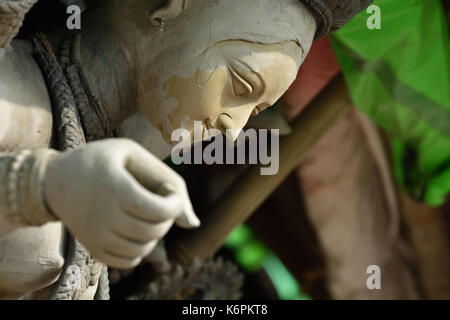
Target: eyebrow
<point x="245" y="64"/>
<point x="259" y="42"/>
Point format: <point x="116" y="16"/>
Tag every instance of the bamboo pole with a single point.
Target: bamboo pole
<point x="242" y="199"/>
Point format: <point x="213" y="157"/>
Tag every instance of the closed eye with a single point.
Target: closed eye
<point x="241" y="87"/>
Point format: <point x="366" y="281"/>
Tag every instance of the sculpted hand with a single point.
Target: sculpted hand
<point x="117" y="199"/>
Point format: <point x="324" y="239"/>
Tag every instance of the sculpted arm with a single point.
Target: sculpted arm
<point x="18" y="191"/>
<point x="113" y="195"/>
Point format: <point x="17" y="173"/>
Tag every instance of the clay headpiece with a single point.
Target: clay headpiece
<point x="334" y="14"/>
<point x="330" y="14"/>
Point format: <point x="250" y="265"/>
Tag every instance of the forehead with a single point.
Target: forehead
<point x="259" y="21"/>
<point x="258" y="56"/>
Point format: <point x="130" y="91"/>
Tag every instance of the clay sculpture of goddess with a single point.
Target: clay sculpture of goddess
<point x="217" y="62"/>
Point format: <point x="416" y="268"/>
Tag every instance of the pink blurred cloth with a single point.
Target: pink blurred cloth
<point x="346" y="192"/>
<point x="315" y="73"/>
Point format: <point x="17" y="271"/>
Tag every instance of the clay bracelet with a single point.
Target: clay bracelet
<point x="24" y="189"/>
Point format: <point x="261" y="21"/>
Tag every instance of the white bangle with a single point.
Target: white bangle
<point x="25" y="188"/>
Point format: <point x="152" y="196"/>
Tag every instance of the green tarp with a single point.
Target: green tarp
<point x="400" y="77"/>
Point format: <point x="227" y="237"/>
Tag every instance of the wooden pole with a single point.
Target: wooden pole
<point x="241" y="200"/>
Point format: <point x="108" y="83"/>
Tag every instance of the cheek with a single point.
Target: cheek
<point x="282" y="78"/>
<point x="198" y="97"/>
<point x="241" y="115"/>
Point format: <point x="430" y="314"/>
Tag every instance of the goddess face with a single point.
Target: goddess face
<point x="221" y="77"/>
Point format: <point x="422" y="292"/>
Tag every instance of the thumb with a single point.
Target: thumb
<point x="188" y="219"/>
<point x="157" y="177"/>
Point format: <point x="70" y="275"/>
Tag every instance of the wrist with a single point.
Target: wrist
<point x="25" y="192"/>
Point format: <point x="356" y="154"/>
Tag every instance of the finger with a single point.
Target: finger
<point x="188" y="219"/>
<point x="126" y="249"/>
<point x="116" y="262"/>
<point x="148" y="206"/>
<point x="134" y="230"/>
<point x="156" y="176"/>
<point x="149" y="171"/>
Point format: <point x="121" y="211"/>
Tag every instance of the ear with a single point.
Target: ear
<point x="171" y="10"/>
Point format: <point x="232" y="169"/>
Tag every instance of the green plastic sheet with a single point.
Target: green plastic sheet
<point x="400" y="77"/>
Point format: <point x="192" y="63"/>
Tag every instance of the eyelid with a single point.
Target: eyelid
<point x="246" y="77"/>
<point x="237" y="77"/>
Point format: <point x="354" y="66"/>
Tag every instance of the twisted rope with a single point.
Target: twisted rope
<point x="80" y="270"/>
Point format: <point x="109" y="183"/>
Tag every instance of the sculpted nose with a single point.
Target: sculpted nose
<point x="228" y="126"/>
